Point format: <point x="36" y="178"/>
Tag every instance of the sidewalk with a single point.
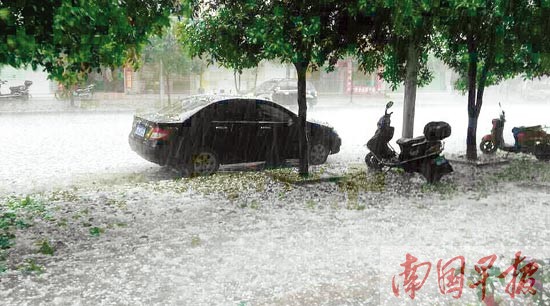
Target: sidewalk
<point x="102" y="102"/>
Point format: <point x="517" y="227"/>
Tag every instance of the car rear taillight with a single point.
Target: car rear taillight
<point x="158" y="133"/>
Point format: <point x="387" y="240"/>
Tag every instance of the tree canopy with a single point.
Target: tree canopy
<point x="486" y="42"/>
<point x="70" y="38"/>
<point x="168" y="56"/>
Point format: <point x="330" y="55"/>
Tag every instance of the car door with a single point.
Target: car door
<point x="278" y="130"/>
<point x="216" y="130"/>
<point x="241" y="116"/>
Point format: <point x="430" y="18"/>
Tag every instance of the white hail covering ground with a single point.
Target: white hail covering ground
<point x="45" y="150"/>
<point x="190" y="249"/>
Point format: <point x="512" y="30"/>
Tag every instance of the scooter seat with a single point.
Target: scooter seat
<point x="20" y="87"/>
<point x="527" y="128"/>
<point x="410" y="141"/>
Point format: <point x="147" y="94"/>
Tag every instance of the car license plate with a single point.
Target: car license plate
<point x="140" y="130"/>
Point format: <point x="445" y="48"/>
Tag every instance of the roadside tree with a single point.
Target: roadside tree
<point x="170" y="58"/>
<point x="71" y="38"/>
<point x="486" y="42"/>
<point x="405" y="54"/>
<point x="308" y="34"/>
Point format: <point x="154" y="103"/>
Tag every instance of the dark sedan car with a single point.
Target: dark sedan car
<point x="285" y="92"/>
<point x="202" y="132"/>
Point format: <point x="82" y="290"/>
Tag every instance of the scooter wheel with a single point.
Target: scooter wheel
<point x="542" y="151"/>
<point x="487" y="147"/>
<point x="373" y="162"/>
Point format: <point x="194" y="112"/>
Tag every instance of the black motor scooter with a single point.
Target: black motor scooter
<point x="421" y="154"/>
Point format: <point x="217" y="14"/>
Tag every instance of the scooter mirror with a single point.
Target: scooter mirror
<point x="389" y="104"/>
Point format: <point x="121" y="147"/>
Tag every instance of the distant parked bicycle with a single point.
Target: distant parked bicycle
<point x="85" y="93"/>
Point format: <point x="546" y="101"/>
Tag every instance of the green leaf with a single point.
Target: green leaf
<point x="96" y="231"/>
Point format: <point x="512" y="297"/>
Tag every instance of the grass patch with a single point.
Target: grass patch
<point x="292" y="176"/>
<point x="26" y="204"/>
<point x="122" y="204"/>
<point x="233" y="186"/>
<point x="63" y="195"/>
<point x="524" y="170"/>
<point x="15" y="214"/>
<point x="358" y="181"/>
<point x="45" y="248"/>
<point x="30" y="266"/>
<point x="445" y="189"/>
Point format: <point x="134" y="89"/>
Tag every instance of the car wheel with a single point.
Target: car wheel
<point x="318" y="153"/>
<point x="205" y="162"/>
<point x="373" y="162"/>
<point x="487" y="147"/>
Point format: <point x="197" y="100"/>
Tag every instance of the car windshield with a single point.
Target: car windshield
<point x="266" y="86"/>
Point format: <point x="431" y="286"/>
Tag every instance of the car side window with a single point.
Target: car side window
<point x="241" y="110"/>
<point x="270" y="113"/>
<point x="217" y="111"/>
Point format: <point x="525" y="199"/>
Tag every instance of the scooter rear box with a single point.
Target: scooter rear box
<point x="437" y="130"/>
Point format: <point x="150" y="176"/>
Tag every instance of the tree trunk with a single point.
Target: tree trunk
<point x="72" y="90"/>
<point x="471" y="134"/>
<point x="237" y="80"/>
<point x="301" y="69"/>
<point x="410" y="91"/>
<point x="168" y="88"/>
